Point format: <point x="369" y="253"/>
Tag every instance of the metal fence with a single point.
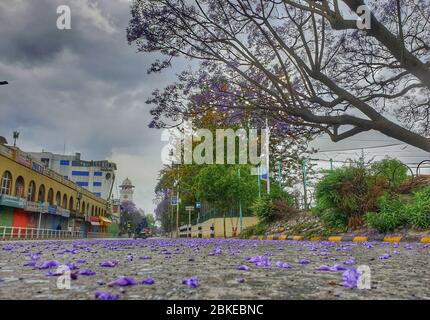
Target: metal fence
<point x="17" y="233"/>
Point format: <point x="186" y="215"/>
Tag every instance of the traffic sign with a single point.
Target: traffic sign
<point x="174" y="201"/>
<point x="198" y="205"/>
<point x="189" y="208"/>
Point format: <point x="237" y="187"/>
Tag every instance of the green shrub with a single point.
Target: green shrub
<point x="348" y="191"/>
<point x="333" y="220"/>
<point x="393" y="214"/>
<point x="256" y="230"/>
<point x="393" y="170"/>
<point x="419" y="210"/>
<point x="272" y="206"/>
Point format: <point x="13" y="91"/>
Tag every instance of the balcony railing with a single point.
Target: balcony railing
<point x="18" y="233"/>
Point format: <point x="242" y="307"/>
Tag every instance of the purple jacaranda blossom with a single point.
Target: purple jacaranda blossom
<point x="304" y="261"/>
<point x="396" y="252"/>
<point x="54" y="273"/>
<point x="331" y="269"/>
<point x="123" y="282"/>
<point x="129" y="257"/>
<point x="148" y="281"/>
<point x="369" y="246"/>
<point x="8" y="247"/>
<point x="49" y="264"/>
<point x="350" y="278"/>
<point x="86" y="272"/>
<point x="349" y="262"/>
<point x="106" y="296"/>
<point x="81" y="261"/>
<point x="240" y="280"/>
<point x="109" y="264"/>
<point x="232" y="254"/>
<point x="72" y="266"/>
<point x="35" y="256"/>
<point x="281" y="264"/>
<point x="192" y="282"/>
<point x="243" y="267"/>
<point x="408" y="247"/>
<point x="216" y="252"/>
<point x="1" y="280"/>
<point x="30" y="264"/>
<point x="145" y="257"/>
<point x="385" y="256"/>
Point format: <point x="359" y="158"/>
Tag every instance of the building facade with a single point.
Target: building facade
<point x="33" y="196"/>
<point x="96" y="176"/>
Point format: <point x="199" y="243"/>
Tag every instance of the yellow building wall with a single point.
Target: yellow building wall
<point x="59" y="184"/>
<point x="218" y="224"/>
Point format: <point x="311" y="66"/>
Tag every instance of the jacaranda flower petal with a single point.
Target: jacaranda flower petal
<point x="106" y="296"/>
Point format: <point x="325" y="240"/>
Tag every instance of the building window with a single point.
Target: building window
<point x="6" y="183"/>
<point x="97" y="184"/>
<point x="66" y="177"/>
<point x="82" y="184"/>
<point x="98" y="174"/>
<point x="64" y="163"/>
<point x="98" y="194"/>
<point x="31" y="191"/>
<point x="81" y="173"/>
<point x="19" y="187"/>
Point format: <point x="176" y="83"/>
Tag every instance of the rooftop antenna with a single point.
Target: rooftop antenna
<point x="15" y="137"/>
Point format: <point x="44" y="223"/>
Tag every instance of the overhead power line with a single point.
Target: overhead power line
<point x="359" y="148"/>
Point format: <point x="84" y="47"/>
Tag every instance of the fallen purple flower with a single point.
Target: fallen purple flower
<point x="144" y="257"/>
<point x="281" y="264"/>
<point x="148" y="281"/>
<point x="109" y="264"/>
<point x="72" y="266"/>
<point x="81" y="261"/>
<point x="54" y="273"/>
<point x="304" y="261"/>
<point x="106" y="296"/>
<point x="192" y="282"/>
<point x="86" y="272"/>
<point x="49" y="264"/>
<point x="242" y="267"/>
<point x="123" y="282"/>
<point x="30" y="264"/>
<point x="385" y="256"/>
<point x="350" y="278"/>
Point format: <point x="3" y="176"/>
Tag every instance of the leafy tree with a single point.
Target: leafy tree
<point x="302" y="62"/>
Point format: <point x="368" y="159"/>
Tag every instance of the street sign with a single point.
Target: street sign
<point x="198" y="205"/>
<point x="174" y="201"/>
<point x="189" y="208"/>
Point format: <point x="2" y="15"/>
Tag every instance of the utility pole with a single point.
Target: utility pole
<point x="240" y="206"/>
<point x="305" y="178"/>
<point x="177" y="206"/>
<point x="267" y="154"/>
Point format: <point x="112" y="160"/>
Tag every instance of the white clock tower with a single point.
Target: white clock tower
<point x="126" y="192"/>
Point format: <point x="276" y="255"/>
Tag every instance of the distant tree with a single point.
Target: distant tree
<point x="302" y="62"/>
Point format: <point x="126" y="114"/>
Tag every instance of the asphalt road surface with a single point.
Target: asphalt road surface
<point x="212" y="269"/>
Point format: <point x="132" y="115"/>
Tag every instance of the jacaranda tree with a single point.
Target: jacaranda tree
<point x="303" y="63"/>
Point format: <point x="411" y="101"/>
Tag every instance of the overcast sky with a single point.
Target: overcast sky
<point x="85" y="89"/>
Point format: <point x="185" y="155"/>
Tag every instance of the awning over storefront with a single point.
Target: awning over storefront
<point x="95" y="221"/>
<point x="105" y="221"/>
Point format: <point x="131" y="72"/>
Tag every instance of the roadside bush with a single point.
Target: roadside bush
<point x="419" y="210"/>
<point x="333" y="220"/>
<point x="256" y="230"/>
<point x="393" y="213"/>
<point x="273" y="206"/>
<point x="348" y="191"/>
<point x="391" y="169"/>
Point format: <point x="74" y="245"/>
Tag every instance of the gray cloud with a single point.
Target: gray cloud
<point x="85" y="87"/>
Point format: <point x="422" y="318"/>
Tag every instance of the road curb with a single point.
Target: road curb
<point x="380" y="238"/>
